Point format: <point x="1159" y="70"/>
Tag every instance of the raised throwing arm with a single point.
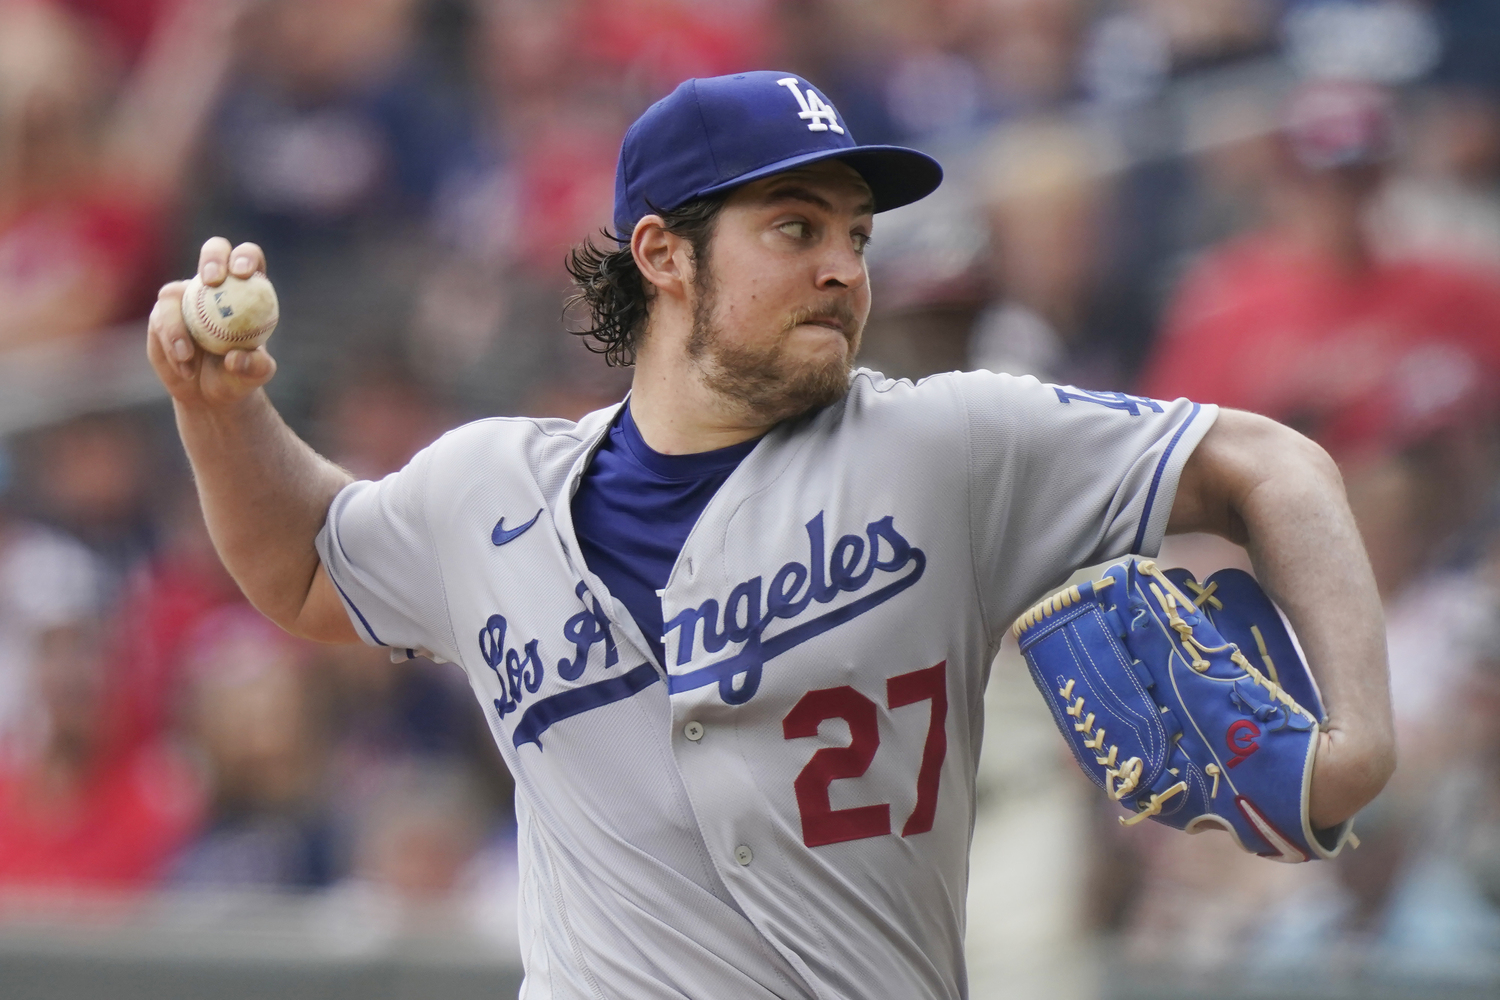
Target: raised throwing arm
<point x="1268" y="488"/>
<point x="264" y="492"/>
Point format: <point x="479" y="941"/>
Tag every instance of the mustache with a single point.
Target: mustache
<point x="839" y="312"/>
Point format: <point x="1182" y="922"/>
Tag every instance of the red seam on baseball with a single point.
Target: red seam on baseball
<point x="219" y="331"/>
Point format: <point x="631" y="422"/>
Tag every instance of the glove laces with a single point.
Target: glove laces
<point x="1171" y="599"/>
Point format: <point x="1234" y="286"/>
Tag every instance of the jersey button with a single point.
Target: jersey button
<point x="693" y="731"/>
<point x="744" y="855"/>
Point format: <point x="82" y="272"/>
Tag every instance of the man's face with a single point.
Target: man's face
<point x="785" y="294"/>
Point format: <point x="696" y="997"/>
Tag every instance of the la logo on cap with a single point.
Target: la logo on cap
<point x="716" y="133"/>
<point x="820" y="117"/>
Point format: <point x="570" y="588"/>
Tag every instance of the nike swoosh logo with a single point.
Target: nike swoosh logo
<point x="501" y="535"/>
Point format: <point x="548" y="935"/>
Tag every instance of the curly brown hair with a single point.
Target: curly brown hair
<point x="611" y="287"/>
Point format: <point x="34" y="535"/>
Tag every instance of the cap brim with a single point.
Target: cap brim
<point x="897" y="176"/>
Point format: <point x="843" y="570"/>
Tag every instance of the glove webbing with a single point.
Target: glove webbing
<point x="1173" y="597"/>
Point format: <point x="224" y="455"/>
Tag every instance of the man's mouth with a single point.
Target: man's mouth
<point x="839" y="320"/>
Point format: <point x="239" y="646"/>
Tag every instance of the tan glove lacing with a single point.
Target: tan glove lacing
<point x="1128" y="774"/>
<point x="1173" y="598"/>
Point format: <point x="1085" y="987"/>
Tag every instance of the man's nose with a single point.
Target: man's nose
<point x="841" y="267"/>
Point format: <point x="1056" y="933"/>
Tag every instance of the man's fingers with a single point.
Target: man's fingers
<point x="245" y="370"/>
<point x="156" y="348"/>
<point x="217" y="259"/>
<point x="252" y="366"/>
<point x="166" y="319"/>
<point x="246" y="260"/>
<point x="213" y="260"/>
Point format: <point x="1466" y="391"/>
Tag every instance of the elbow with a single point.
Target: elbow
<point x="1382" y="765"/>
<point x="1373" y="768"/>
<point x="1315" y="460"/>
<point x="1353" y="774"/>
<point x="1379" y="767"/>
<point x="285" y="617"/>
<point x="1277" y="451"/>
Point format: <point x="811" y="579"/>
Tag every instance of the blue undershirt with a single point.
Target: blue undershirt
<point x="634" y="509"/>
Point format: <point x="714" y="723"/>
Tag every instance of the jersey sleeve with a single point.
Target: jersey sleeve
<point x="1061" y="478"/>
<point x="379" y="551"/>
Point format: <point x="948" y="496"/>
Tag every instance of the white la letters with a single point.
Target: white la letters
<point x="820" y="117"/>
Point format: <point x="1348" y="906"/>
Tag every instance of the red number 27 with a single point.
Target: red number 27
<point x="821" y="823"/>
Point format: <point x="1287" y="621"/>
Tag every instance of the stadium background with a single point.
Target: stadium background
<point x="1292" y="207"/>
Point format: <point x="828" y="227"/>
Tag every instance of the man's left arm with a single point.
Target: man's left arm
<point x="1266" y="487"/>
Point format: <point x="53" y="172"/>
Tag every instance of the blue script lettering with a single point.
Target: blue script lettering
<point x="825" y="576"/>
<point x="1114" y="400"/>
<point x="780" y="600"/>
<point x="584" y="630"/>
<point x="520" y="671"/>
<point x="708" y="614"/>
<point x="521" y="674"/>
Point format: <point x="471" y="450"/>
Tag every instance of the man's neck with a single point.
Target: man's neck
<point x="677" y="414"/>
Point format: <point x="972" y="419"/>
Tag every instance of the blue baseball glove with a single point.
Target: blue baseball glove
<point x="1164" y="711"/>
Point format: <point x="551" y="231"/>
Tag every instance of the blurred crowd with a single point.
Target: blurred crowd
<point x="1287" y="206"/>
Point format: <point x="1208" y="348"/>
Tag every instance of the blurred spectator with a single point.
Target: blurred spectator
<point x="1026" y="51"/>
<point x="385" y="712"/>
<point x="1059" y="314"/>
<point x="335" y="114"/>
<point x="1235" y="161"/>
<point x="85" y="810"/>
<point x="162" y="607"/>
<point x="377" y="419"/>
<point x="253" y="711"/>
<point x="1305" y="322"/>
<point x="663" y="42"/>
<point x="1448" y="204"/>
<point x="91" y="477"/>
<point x="91" y="167"/>
<point x="342" y="123"/>
<point x="487" y="324"/>
<point x="420" y="832"/>
<point x="48" y="582"/>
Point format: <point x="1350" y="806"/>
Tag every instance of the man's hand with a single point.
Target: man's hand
<point x="1264" y="486"/>
<point x="264" y="492"/>
<point x="193" y="376"/>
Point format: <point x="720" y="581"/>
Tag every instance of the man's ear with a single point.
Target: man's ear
<point x="662" y="257"/>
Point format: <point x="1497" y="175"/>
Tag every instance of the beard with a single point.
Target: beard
<point x="769" y="386"/>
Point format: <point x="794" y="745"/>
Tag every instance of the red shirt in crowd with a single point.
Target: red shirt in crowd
<point x="1380" y="356"/>
<point x="120" y="828"/>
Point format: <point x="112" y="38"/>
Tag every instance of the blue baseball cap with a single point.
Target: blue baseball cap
<point x="715" y="133"/>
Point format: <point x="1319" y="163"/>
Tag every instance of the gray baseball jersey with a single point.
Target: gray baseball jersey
<point x="785" y="809"/>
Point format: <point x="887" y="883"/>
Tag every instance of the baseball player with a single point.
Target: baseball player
<point x="732" y="634"/>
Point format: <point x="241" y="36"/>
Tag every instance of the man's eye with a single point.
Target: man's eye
<point x="861" y="241"/>
<point x="796" y="230"/>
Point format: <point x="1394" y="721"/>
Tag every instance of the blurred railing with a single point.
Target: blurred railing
<point x="51" y="382"/>
<point x="228" y="945"/>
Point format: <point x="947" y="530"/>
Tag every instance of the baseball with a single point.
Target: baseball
<point x="238" y="314"/>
